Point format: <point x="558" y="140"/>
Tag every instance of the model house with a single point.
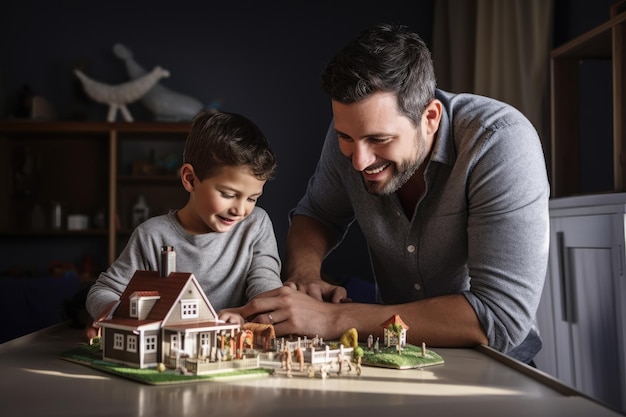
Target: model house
<point x="390" y="337"/>
<point x="168" y="320"/>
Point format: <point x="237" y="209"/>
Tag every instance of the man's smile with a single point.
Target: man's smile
<point x="376" y="170"/>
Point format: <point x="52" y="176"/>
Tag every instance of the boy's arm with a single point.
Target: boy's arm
<point x="263" y="273"/>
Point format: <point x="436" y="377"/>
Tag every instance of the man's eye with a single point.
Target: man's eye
<point x="378" y="140"/>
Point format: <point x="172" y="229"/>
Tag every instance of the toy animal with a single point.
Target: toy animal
<point x="164" y="103"/>
<point x="118" y="96"/>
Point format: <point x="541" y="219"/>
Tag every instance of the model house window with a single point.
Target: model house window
<point x="151" y="342"/>
<point x="131" y="343"/>
<point x="189" y="309"/>
<point x="174" y="343"/>
<point x="133" y="308"/>
<point x="118" y="341"/>
<point x="204" y="339"/>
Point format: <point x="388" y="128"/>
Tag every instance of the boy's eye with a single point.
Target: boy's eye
<point x="226" y="195"/>
<point x="252" y="200"/>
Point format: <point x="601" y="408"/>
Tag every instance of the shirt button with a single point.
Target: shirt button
<point x="417" y="286"/>
<point x="410" y="248"/>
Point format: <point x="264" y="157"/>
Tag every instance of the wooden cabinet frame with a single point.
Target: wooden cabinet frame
<point x="606" y="41"/>
<point x="115" y="134"/>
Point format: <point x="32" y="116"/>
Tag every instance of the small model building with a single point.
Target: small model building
<point x="392" y="338"/>
<point x="169" y="320"/>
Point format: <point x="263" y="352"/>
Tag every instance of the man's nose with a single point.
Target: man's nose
<point x="362" y="156"/>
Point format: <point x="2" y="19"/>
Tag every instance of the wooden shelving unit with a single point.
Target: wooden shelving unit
<point x="605" y="42"/>
<point x="88" y="167"/>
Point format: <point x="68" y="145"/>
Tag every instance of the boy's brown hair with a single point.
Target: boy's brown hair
<point x="219" y="139"/>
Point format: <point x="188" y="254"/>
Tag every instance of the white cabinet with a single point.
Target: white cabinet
<point x="582" y="314"/>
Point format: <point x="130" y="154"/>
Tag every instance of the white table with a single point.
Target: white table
<point x="35" y="382"/>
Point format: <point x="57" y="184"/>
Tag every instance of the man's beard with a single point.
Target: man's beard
<point x="402" y="174"/>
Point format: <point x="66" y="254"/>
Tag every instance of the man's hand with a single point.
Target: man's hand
<point x="319" y="289"/>
<point x="294" y="312"/>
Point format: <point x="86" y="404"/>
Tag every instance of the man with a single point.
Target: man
<point x="451" y="194"/>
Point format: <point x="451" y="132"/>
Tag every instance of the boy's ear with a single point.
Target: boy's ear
<point x="188" y="177"/>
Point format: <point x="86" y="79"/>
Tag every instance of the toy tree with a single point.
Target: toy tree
<point x="350" y="338"/>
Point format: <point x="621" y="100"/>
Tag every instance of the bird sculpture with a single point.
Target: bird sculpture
<point x="118" y="96"/>
<point x="165" y="104"/>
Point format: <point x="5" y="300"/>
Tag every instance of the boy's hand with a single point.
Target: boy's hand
<point x="92" y="329"/>
<point x="230" y="315"/>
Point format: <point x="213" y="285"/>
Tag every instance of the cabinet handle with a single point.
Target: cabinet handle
<point x="621" y="260"/>
<point x="566" y="277"/>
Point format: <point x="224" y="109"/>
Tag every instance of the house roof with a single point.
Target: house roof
<point x="140" y="294"/>
<point x="395" y="319"/>
<point x="150" y="283"/>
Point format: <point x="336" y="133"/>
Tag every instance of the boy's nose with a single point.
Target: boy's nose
<point x="239" y="208"/>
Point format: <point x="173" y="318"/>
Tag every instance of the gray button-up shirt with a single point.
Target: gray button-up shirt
<point x="480" y="229"/>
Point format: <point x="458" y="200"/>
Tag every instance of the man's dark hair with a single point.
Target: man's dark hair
<point x="387" y="58"/>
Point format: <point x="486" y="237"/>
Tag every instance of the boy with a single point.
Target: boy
<point x="219" y="236"/>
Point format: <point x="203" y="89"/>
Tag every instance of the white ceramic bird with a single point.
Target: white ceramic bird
<point x="118" y="96"/>
<point x="164" y="103"/>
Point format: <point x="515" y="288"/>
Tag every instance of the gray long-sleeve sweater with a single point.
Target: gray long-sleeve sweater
<point x="231" y="267"/>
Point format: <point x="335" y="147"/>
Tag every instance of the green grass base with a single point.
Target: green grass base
<point x="85" y="355"/>
<point x="410" y="358"/>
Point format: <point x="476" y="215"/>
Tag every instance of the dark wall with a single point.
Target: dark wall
<point x="260" y="58"/>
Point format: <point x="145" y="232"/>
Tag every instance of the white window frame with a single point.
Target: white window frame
<point x="189" y="309"/>
<point x="174" y="342"/>
<point x="151" y="344"/>
<point x="134" y="308"/>
<point x="131" y="343"/>
<point x="118" y="341"/>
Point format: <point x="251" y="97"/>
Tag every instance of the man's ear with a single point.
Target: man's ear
<point x="188" y="177"/>
<point x="432" y="117"/>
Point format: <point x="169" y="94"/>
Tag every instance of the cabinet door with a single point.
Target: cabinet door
<point x="585" y="267"/>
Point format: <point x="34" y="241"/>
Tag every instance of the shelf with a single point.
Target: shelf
<point x="86" y="166"/>
<point x="53" y="233"/>
<point x="606" y="42"/>
<point x="148" y="179"/>
<point x="31" y="126"/>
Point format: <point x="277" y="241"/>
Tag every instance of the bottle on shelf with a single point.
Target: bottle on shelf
<point x="141" y="211"/>
<point x="56" y="215"/>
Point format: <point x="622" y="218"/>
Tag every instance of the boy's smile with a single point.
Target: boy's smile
<point x="220" y="201"/>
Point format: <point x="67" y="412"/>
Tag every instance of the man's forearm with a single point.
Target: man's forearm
<point x="308" y="242"/>
<point x="446" y="321"/>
